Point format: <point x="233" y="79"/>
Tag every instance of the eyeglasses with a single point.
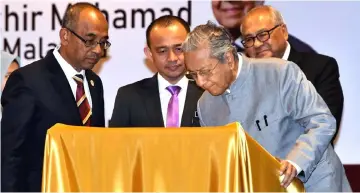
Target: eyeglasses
<point x="206" y="73"/>
<point x="262" y="37"/>
<point x="92" y="43"/>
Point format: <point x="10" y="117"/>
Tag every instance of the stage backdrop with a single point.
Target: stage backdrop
<point x="31" y="29"/>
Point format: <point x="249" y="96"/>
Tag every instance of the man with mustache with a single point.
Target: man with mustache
<point x="273" y="101"/>
<point x="60" y="88"/>
<point x="265" y="35"/>
<point x="230" y="15"/>
<point x="168" y="99"/>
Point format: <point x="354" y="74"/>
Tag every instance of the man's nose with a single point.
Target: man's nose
<point x="257" y="43"/>
<point x="98" y="49"/>
<point x="172" y="56"/>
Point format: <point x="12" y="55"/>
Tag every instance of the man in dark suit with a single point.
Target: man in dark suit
<point x="265" y="35"/>
<point x="230" y="14"/>
<point x="168" y="98"/>
<point x="61" y="88"/>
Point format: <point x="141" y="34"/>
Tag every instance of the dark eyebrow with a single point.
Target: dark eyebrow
<point x="166" y="47"/>
<point x="261" y="30"/>
<point x="257" y="32"/>
<point x="160" y="47"/>
<point x="91" y="35"/>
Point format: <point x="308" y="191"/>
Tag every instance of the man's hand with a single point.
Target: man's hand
<point x="289" y="172"/>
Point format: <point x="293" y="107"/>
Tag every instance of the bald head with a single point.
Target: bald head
<point x="264" y="12"/>
<point x="264" y="33"/>
<point x="77" y="11"/>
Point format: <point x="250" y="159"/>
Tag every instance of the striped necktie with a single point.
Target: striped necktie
<point x="81" y="100"/>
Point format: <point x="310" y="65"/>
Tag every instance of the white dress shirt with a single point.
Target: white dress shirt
<point x="287" y="51"/>
<point x="70" y="72"/>
<point x="238" y="72"/>
<point x="165" y="96"/>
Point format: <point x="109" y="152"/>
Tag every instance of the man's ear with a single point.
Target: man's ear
<point x="64" y="36"/>
<point x="148" y="53"/>
<point x="285" y="31"/>
<point x="229" y="58"/>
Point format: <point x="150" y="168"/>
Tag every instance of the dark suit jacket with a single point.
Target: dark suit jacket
<point x="138" y="105"/>
<point x="323" y="72"/>
<point x="35" y="98"/>
<point x="300" y="45"/>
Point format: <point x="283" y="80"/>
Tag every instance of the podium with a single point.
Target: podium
<point x="204" y="159"/>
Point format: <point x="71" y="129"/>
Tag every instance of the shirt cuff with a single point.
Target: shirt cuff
<point x="298" y="169"/>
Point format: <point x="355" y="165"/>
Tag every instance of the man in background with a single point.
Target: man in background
<point x="168" y="99"/>
<point x="265" y="34"/>
<point x="230" y="15"/>
<point x="60" y="88"/>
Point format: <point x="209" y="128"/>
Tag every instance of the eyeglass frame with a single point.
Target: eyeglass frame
<point x="268" y="33"/>
<point x="95" y="42"/>
<point x="204" y="73"/>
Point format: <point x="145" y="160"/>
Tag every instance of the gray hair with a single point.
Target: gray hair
<point x="217" y="38"/>
<point x="274" y="14"/>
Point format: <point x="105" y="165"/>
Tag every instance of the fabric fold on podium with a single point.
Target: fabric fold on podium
<point x="206" y="159"/>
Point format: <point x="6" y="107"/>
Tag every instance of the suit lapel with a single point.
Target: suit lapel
<point x="152" y="102"/>
<point x="94" y="97"/>
<point x="294" y="56"/>
<point x="192" y="95"/>
<point x="63" y="101"/>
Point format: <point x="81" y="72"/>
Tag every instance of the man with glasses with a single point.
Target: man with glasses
<point x="169" y="98"/>
<point x="265" y="35"/>
<point x="274" y="103"/>
<point x="231" y="13"/>
<point x="60" y="88"/>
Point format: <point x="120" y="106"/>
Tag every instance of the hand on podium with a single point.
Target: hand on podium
<point x="287" y="172"/>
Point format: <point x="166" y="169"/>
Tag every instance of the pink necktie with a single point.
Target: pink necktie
<point x="172" y="119"/>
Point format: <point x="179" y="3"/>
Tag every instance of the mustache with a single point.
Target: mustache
<point x="174" y="63"/>
<point x="96" y="57"/>
<point x="262" y="48"/>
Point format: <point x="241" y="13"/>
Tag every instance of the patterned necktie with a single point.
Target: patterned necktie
<point x="173" y="107"/>
<point x="81" y="100"/>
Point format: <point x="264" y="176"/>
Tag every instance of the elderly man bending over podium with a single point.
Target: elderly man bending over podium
<point x="273" y="101"/>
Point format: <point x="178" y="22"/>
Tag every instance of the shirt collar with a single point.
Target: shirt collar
<point x="238" y="42"/>
<point x="164" y="83"/>
<point x="238" y="72"/>
<point x="69" y="71"/>
<point x="287" y="51"/>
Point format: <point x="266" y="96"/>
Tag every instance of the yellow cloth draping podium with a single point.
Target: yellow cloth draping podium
<point x="206" y="159"/>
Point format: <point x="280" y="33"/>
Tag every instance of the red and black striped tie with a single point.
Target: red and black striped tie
<point x="81" y="100"/>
